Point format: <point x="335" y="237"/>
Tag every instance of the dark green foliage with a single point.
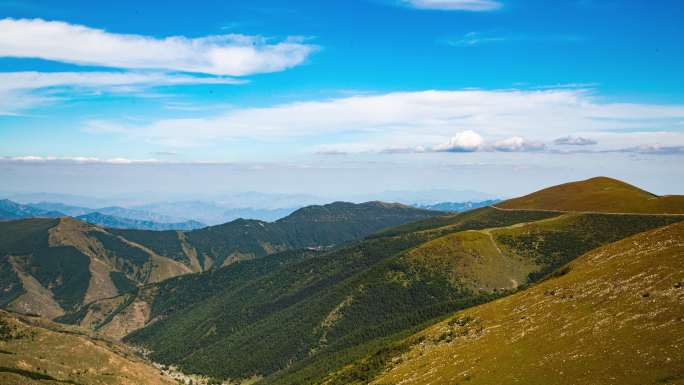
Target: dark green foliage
<point x="129" y="298"/>
<point x="121" y="282"/>
<point x="130" y="260"/>
<point x="24" y="236"/>
<point x="10" y="287"/>
<point x="187" y="290"/>
<point x="120" y="249"/>
<point x="312" y="226"/>
<point x="274" y="321"/>
<point x="551" y="248"/>
<point x="64" y="269"/>
<point x="166" y="243"/>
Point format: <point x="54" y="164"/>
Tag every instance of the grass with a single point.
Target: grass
<point x="42" y="352"/>
<point x="598" y="195"/>
<point x="594" y="324"/>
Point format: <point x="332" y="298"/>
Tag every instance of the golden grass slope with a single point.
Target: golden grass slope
<point x="599" y="194"/>
<point x="35" y="351"/>
<point x="615" y="317"/>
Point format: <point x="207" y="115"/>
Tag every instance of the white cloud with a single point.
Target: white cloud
<point x="655" y="149"/>
<point x="574" y="141"/>
<point x="404" y="120"/>
<point x="455" y="5"/>
<point x="75" y="159"/>
<point x="517" y="144"/>
<point x="23" y="90"/>
<point x="466" y="141"/>
<point x="472" y="39"/>
<point x="234" y="55"/>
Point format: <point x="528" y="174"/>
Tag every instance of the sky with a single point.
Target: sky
<point x="339" y="97"/>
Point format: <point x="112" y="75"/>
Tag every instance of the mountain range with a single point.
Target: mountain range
<point x="111" y="217"/>
<point x="457" y="207"/>
<point x="580" y="283"/>
<point x="54" y="266"/>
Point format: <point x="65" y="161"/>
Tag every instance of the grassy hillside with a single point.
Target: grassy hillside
<point x="54" y="267"/>
<point x="296" y="323"/>
<point x="599" y="194"/>
<point x="33" y="351"/>
<point x="613" y="316"/>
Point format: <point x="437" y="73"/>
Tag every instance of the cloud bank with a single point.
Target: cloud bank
<point x="24" y="90"/>
<point x="233" y="55"/>
<point x="485" y="119"/>
<point x="574" y="141"/>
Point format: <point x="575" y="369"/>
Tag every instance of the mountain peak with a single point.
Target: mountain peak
<point x="599" y="194"/>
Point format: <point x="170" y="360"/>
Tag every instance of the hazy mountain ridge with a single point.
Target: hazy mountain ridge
<point x="458" y="206"/>
<point x="10" y="210"/>
<point x="115" y="222"/>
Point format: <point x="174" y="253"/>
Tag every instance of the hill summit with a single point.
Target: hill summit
<point x="600" y="194"/>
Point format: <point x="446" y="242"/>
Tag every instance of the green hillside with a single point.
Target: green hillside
<point x="54" y="267"/>
<point x="613" y="316"/>
<point x="297" y="323"/>
<point x="599" y="194"/>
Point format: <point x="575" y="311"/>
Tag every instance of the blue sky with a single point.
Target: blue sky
<point x="526" y="93"/>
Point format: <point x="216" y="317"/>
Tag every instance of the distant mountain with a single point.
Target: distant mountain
<point x="126" y="217"/>
<point x="10" y="210"/>
<point x="599" y="194"/>
<point x="214" y="213"/>
<point x="53" y="267"/>
<point x="67" y="199"/>
<point x="457" y="207"/>
<point x="115" y="222"/>
<point x="428" y="197"/>
<point x="140" y="215"/>
<point x="72" y="211"/>
<point x="268" y="215"/>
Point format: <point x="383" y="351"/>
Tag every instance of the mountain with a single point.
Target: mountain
<point x="72" y="211"/>
<point x="10" y="210"/>
<point x="427" y="197"/>
<point x="298" y="316"/>
<point x="53" y="267"/>
<point x="34" y="351"/>
<point x="268" y="215"/>
<point x="139" y="215"/>
<point x="457" y="207"/>
<point x="115" y="222"/>
<point x="613" y="316"/>
<point x="120" y="217"/>
<point x="599" y="194"/>
<point x="214" y="213"/>
<point x="311" y="226"/>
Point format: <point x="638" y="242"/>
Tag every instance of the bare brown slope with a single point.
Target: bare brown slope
<point x="35" y="351"/>
<point x="600" y="194"/>
<point x="615" y="317"/>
